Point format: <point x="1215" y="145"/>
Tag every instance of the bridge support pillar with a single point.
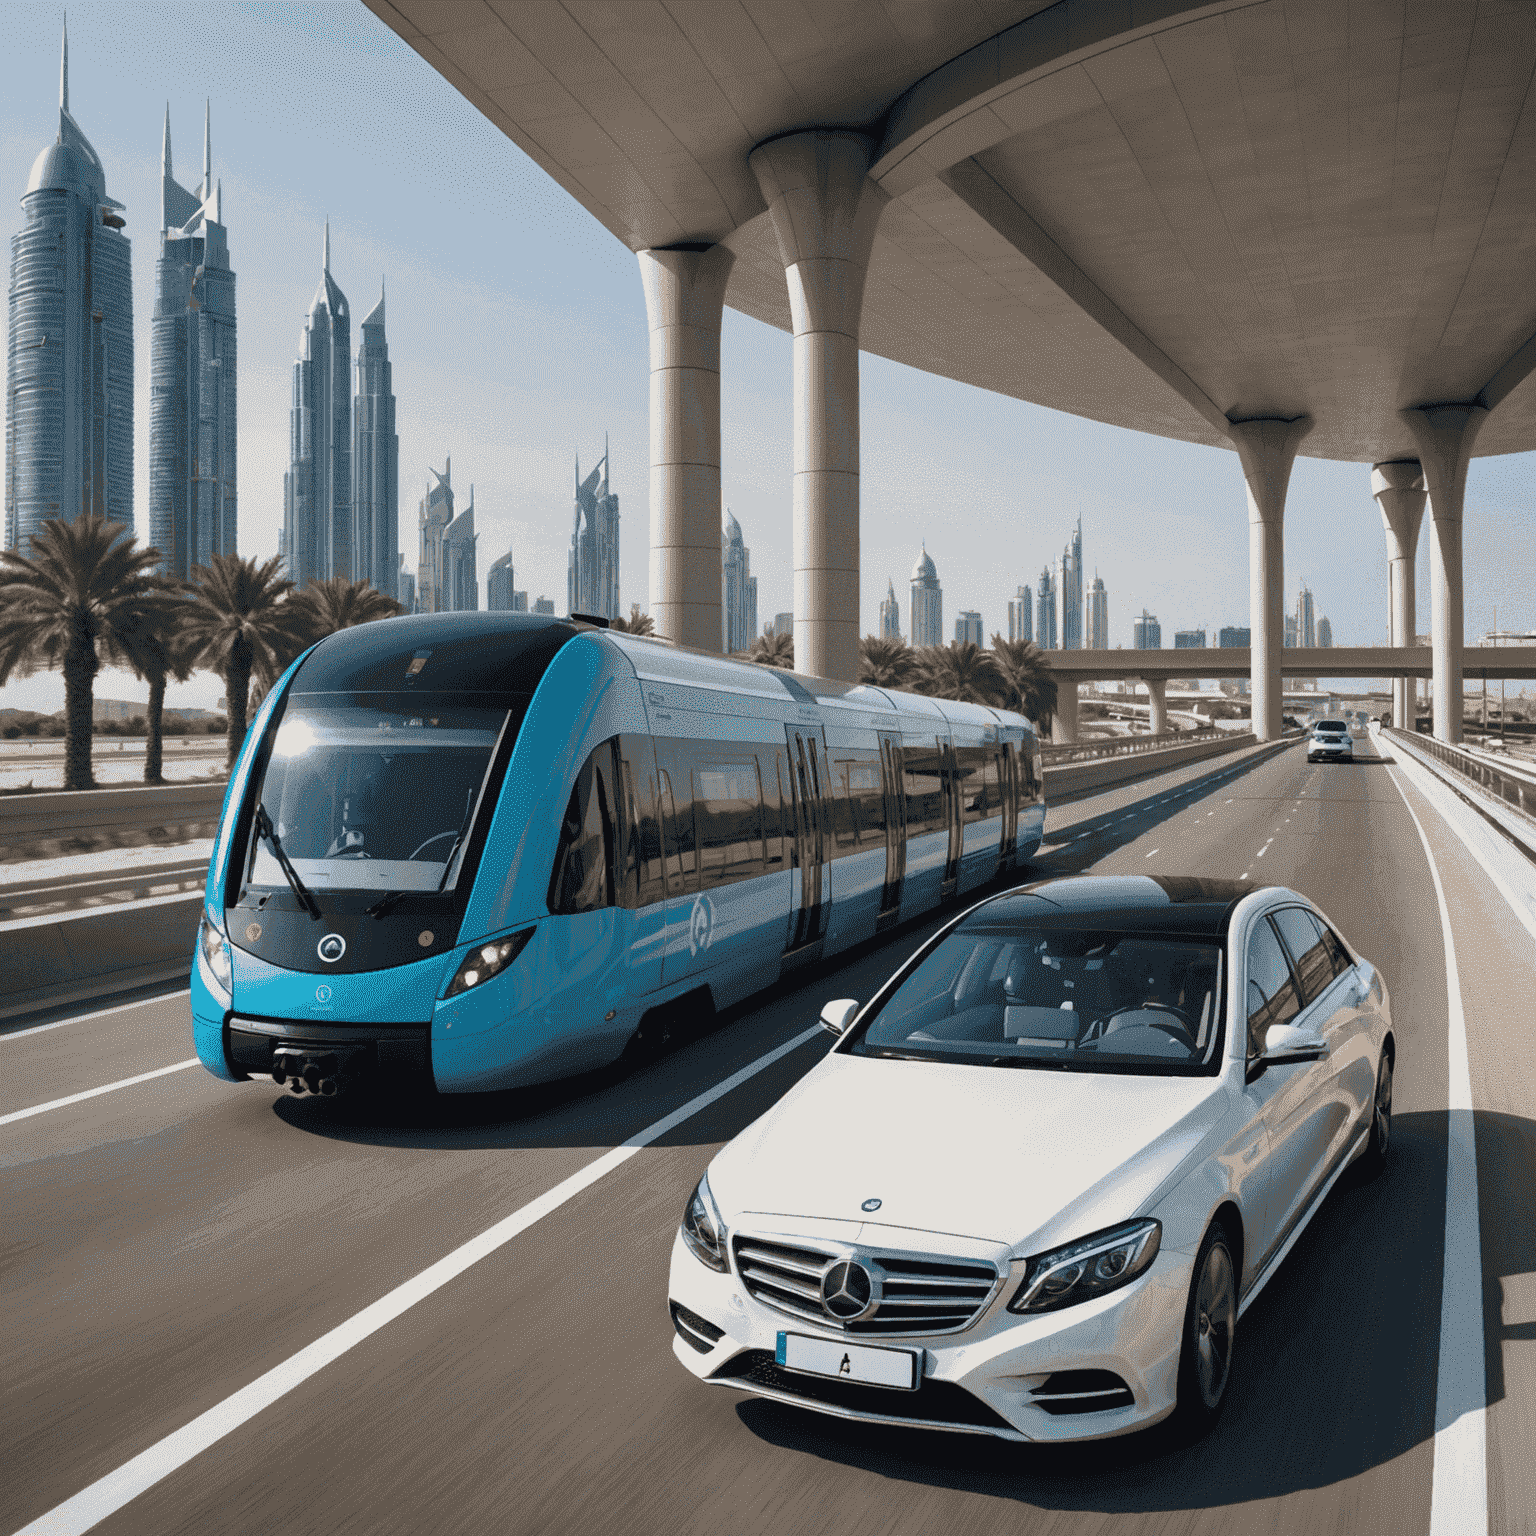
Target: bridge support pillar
<point x="1064" y="716"/>
<point x="1157" y="704"/>
<point x="1267" y="448"/>
<point x="824" y="209"/>
<point x="1445" y="435"/>
<point x="1399" y="490"/>
<point x="684" y="297"/>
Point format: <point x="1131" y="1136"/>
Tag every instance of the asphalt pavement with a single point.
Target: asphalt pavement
<point x="169" y="1249"/>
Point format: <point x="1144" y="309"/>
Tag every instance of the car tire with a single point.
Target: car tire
<point x="1373" y="1160"/>
<point x="1210" y="1327"/>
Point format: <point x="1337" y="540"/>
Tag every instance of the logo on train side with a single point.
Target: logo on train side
<point x="701" y="925"/>
<point x="331" y="948"/>
<point x="322" y="995"/>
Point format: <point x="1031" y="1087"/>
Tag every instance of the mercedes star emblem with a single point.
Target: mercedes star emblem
<point x="847" y="1291"/>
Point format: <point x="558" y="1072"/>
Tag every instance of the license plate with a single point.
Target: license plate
<point x="849" y="1362"/>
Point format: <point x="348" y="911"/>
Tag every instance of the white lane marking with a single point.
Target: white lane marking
<point x="110" y="1493"/>
<point x="1459" y="1501"/>
<point x="1261" y="852"/>
<point x="101" y="1013"/>
<point x="94" y="1093"/>
<point x="1150" y="854"/>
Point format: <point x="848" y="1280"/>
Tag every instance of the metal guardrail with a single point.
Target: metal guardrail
<point x="72" y="893"/>
<point x="1516" y="790"/>
<point x="1124" y="746"/>
<point x="59" y="822"/>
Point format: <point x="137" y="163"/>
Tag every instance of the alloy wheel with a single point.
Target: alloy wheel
<point x="1381" y="1122"/>
<point x="1215" y="1321"/>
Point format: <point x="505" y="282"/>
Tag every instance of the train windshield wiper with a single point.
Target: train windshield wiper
<point x="383" y="904"/>
<point x="265" y="830"/>
<point x="469" y="812"/>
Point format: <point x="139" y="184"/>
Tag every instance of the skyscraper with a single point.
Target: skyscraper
<point x="317" y="490"/>
<point x="1290" y="631"/>
<point x="405" y="588"/>
<point x="500" y="595"/>
<point x="1234" y="636"/>
<point x="1189" y="639"/>
<point x="592" y="576"/>
<point x="445" y="578"/>
<point x="1306" y="622"/>
<point x="1146" y="632"/>
<point x="1324" y="634"/>
<point x="1045" y="611"/>
<point x="192" y="500"/>
<point x="890" y="614"/>
<point x="69" y="405"/>
<point x="927" y="602"/>
<point x="544" y="605"/>
<point x="783" y="624"/>
<point x="375" y="460"/>
<point x="1021" y="615"/>
<point x="1069" y="587"/>
<point x="968" y="627"/>
<point x="1097" y="637"/>
<point x="740" y="588"/>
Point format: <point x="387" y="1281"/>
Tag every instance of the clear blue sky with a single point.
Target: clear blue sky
<point x="517" y="332"/>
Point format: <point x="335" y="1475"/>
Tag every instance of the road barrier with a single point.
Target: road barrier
<point x="1077" y="776"/>
<point x="1516" y="791"/>
<point x="56" y="823"/>
<point x="1052" y="755"/>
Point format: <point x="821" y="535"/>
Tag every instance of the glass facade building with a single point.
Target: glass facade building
<point x="890" y="614"/>
<point x="192" y="416"/>
<point x="69" y="401"/>
<point x="927" y="602"/>
<point x="968" y="627"/>
<point x="1045" y="611"/>
<point x="1097" y="637"/>
<point x="1146" y="632"/>
<point x="592" y="573"/>
<point x="739" y="611"/>
<point x="1021" y="615"/>
<point x="317" y="490"/>
<point x="375" y="460"/>
<point x="446" y="581"/>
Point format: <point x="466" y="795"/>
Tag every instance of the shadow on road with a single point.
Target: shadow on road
<point x="1336" y="1368"/>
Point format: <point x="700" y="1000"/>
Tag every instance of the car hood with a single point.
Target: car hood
<point x="999" y="1154"/>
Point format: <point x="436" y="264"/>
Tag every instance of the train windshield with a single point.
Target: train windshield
<point x="373" y="798"/>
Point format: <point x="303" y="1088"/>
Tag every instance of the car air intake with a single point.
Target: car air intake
<point x="1081" y="1392"/>
<point x="694" y="1330"/>
<point x="917" y="1294"/>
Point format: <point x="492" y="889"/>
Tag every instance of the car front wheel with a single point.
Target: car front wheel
<point x="1374" y="1159"/>
<point x="1210" y="1327"/>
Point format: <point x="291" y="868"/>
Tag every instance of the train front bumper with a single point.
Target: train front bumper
<point x="1105" y="1367"/>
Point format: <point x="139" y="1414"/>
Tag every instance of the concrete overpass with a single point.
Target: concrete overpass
<point x="1273" y="225"/>
<point x="1155" y="668"/>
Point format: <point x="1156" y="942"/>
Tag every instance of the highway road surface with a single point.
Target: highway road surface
<point x="228" y="1310"/>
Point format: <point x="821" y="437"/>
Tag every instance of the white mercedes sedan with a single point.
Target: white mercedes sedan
<point x="1042" y="1174"/>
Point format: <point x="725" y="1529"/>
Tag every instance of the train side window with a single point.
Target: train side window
<point x="845" y="819"/>
<point x="1026" y="776"/>
<point x="728" y="810"/>
<point x="648" y="884"/>
<point x="924" y="776"/>
<point x="866" y="790"/>
<point x="971" y="783"/>
<point x="992" y="780"/>
<point x="583" y="876"/>
<point x="678" y="839"/>
<point x="770" y="765"/>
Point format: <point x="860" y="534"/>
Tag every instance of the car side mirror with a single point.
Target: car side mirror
<point x="836" y="1016"/>
<point x="1365" y="978"/>
<point x="1286" y="1043"/>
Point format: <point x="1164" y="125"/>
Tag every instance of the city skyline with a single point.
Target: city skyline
<point x="530" y="264"/>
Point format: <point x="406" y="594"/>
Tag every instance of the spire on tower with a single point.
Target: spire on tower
<point x="207" y="151"/>
<point x="64" y="70"/>
<point x="325" y="252"/>
<point x="165" y="146"/>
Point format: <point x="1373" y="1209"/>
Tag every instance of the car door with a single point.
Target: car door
<point x="1331" y="1000"/>
<point x="1293" y="1096"/>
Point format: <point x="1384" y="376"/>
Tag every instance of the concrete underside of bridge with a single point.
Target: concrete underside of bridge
<point x="1181" y="218"/>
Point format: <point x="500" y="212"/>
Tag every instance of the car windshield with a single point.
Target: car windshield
<point x="1331" y="725"/>
<point x="1075" y="1001"/>
<point x="373" y="799"/>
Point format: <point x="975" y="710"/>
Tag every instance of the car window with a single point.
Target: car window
<point x="1338" y="956"/>
<point x="1272" y="995"/>
<point x="1303" y="938"/>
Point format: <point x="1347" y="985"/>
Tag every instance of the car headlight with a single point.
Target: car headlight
<point x="487" y="960"/>
<point x="214" y="948"/>
<point x="1089" y="1268"/>
<point x="703" y="1230"/>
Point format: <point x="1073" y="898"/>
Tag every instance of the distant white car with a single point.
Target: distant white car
<point x="1042" y="1174"/>
<point x="1331" y="742"/>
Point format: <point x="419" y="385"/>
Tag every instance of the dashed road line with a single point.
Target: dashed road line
<point x="93" y="1093"/>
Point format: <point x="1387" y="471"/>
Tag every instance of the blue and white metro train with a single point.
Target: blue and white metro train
<point x="488" y="850"/>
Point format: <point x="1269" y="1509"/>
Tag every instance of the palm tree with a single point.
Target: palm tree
<point x="335" y="603"/>
<point x="774" y="650"/>
<point x="961" y="671"/>
<point x="153" y="644"/>
<point x="242" y="624"/>
<point x="85" y="580"/>
<point x="887" y="663"/>
<point x="1030" y="688"/>
<point x="637" y="623"/>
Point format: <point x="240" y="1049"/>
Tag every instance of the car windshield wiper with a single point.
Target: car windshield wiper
<point x="266" y="830"/>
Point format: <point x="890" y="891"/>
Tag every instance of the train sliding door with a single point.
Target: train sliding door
<point x="1007" y="771"/>
<point x="811" y="892"/>
<point x="891" y="777"/>
<point x="953" y="790"/>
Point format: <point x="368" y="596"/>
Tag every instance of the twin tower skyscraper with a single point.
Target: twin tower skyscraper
<point x="341" y="495"/>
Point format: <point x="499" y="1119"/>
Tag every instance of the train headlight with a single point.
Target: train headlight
<point x="214" y="948"/>
<point x="487" y="960"/>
